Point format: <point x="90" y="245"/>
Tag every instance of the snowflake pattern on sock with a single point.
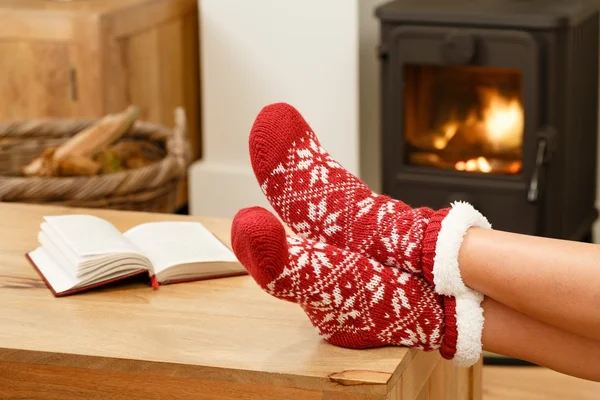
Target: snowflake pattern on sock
<point x="356" y="302"/>
<point x="320" y="200"/>
<point x="352" y="301"/>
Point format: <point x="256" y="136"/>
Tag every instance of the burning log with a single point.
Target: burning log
<point x="474" y="164"/>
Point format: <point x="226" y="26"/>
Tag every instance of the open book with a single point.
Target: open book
<point x="81" y="252"/>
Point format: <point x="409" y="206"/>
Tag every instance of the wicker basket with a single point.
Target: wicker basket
<point x="151" y="188"/>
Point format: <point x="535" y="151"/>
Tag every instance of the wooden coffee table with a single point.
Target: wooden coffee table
<point x="217" y="339"/>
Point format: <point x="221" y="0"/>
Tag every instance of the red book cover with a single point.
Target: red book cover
<point x="204" y="278"/>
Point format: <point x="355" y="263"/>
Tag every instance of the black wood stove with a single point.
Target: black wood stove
<point x="494" y="102"/>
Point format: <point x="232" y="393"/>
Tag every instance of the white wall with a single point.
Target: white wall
<point x="369" y="94"/>
<point x="257" y="52"/>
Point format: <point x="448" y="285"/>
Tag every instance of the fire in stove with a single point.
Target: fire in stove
<point x="480" y="129"/>
<point x="478" y="104"/>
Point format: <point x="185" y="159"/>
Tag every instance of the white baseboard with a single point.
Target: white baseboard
<point x="221" y="190"/>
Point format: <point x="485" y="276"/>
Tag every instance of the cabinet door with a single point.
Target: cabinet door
<point x="157" y="68"/>
<point x="35" y="80"/>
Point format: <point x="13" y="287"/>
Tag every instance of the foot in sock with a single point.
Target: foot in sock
<point x="354" y="301"/>
<point x="320" y="200"/>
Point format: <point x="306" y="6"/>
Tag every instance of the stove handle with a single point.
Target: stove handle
<point x="545" y="149"/>
<point x="534" y="183"/>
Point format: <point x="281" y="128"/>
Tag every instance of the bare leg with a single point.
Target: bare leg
<point x="512" y="334"/>
<point x="554" y="281"/>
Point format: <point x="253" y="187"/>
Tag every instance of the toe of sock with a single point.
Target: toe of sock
<point x="259" y="242"/>
<point x="272" y="135"/>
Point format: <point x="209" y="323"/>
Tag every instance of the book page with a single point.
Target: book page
<point x="88" y="235"/>
<point x="56" y="276"/>
<point x="172" y="243"/>
<point x="48" y="237"/>
<point x="68" y="266"/>
<point x="50" y="265"/>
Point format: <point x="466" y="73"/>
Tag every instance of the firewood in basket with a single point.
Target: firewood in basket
<point x="137" y="162"/>
<point x="47" y="165"/>
<point x="136" y="154"/>
<point x="76" y="165"/>
<point x="127" y="149"/>
<point x="110" y="161"/>
<point x="95" y="138"/>
<point x="34" y="168"/>
<point x="91" y="140"/>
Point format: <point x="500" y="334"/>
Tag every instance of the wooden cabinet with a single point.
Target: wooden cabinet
<point x="28" y="87"/>
<point x="87" y="58"/>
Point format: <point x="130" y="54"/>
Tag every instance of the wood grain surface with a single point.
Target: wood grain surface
<point x="535" y="383"/>
<point x="226" y="329"/>
<point x="103" y="7"/>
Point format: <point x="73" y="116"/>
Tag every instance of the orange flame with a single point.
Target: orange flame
<point x="502" y="121"/>
<point x="480" y="164"/>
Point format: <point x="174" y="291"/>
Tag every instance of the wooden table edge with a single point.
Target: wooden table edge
<point x="346" y="381"/>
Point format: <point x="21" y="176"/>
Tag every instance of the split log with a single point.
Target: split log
<point x="88" y="142"/>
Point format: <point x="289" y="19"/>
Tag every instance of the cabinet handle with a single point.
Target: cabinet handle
<point x="73" y="81"/>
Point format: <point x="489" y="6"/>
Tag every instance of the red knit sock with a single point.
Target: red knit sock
<point x="320" y="200"/>
<point x="353" y="301"/>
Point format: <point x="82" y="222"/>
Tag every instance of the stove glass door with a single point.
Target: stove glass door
<point x="463" y="118"/>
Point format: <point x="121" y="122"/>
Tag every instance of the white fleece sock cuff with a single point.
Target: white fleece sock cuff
<point x="446" y="273"/>
<point x="448" y="280"/>
<point x="469" y="325"/>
